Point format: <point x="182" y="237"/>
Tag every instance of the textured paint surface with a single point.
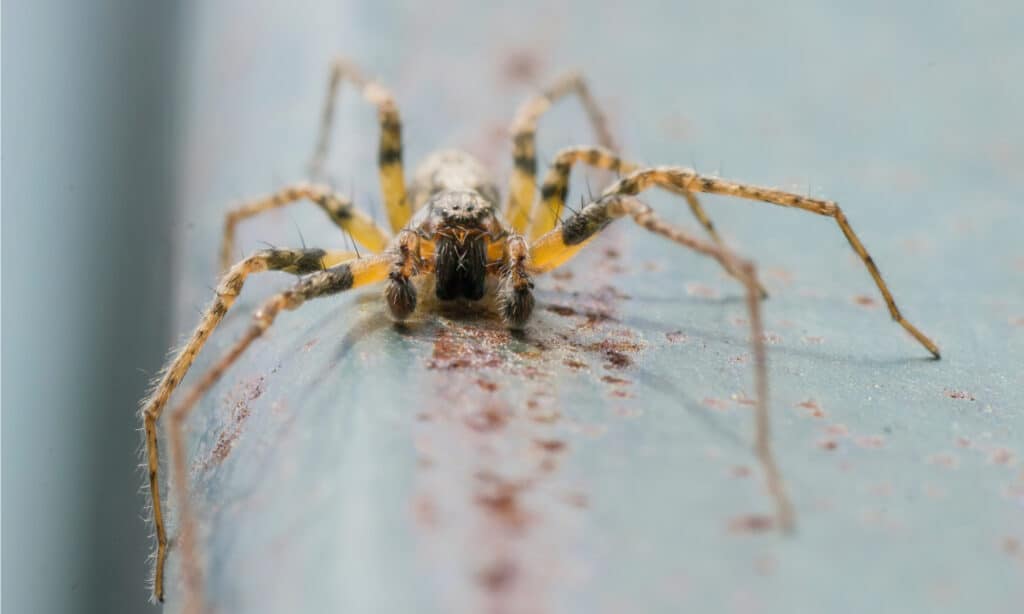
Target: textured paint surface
<point x="601" y="463"/>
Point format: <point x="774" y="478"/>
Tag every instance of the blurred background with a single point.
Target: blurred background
<point x="129" y="127"/>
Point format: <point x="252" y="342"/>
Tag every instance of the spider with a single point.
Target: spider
<point x="451" y="236"/>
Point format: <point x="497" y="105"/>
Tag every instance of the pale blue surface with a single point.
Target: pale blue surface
<point x="354" y="484"/>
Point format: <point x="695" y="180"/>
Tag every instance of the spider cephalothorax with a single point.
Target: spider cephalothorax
<point x="447" y="227"/>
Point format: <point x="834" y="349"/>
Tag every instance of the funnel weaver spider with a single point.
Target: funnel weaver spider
<point x="449" y="226"/>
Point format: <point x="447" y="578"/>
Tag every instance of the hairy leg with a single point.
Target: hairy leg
<point x="389" y="150"/>
<point x="297" y="261"/>
<point x="339" y="208"/>
<point x="523" y="184"/>
<point x="689" y="180"/>
<point x="559" y="245"/>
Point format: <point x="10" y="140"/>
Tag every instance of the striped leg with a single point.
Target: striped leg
<point x="515" y="291"/>
<point x="297" y="261"/>
<point x="339" y="208"/>
<point x="688" y="179"/>
<point x="557" y="246"/>
<point x="389" y="152"/>
<point x="339" y="278"/>
<point x="523" y="185"/>
<point x="555" y="188"/>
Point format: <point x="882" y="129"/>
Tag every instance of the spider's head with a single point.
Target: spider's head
<point x="461" y="209"/>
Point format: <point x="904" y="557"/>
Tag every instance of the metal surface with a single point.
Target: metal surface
<point x="601" y="462"/>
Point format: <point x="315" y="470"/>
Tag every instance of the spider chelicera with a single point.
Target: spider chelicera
<point x="450" y="236"/>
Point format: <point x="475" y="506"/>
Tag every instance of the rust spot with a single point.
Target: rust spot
<point x="612" y="254"/>
<point x="473" y="349"/>
<point x="828" y="444"/>
<point x="751" y="523"/>
<point x="500" y="498"/>
<point x="871" y="441"/>
<point x="701" y="291"/>
<point x="865" y="301"/>
<point x="628" y="412"/>
<point x="521" y="66"/>
<point x="618" y="381"/>
<point x="1011" y="546"/>
<point x="550" y="445"/>
<point x="498" y="576"/>
<point x="562" y="310"/>
<point x="309" y="345"/>
<point x="562" y="274"/>
<point x="959" y="394"/>
<point x="675" y="336"/>
<point x="576" y="499"/>
<point x="771" y="338"/>
<point x="489" y="418"/>
<point x="425" y="511"/>
<point x="621" y="394"/>
<point x="740" y="471"/>
<point x="574" y="364"/>
<point x="717" y="404"/>
<point x="837" y="430"/>
<point x="486" y="384"/>
<point x="614" y="352"/>
<point x="617" y="360"/>
<point x="1001" y="456"/>
<point x="247" y="392"/>
<point x="742" y="399"/>
<point x="963" y="442"/>
<point x="812" y="407"/>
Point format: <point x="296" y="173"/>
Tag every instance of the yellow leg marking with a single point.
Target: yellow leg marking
<point x="339" y="208"/>
<point x="323" y="283"/>
<point x="689" y="180"/>
<point x="389" y="151"/>
<point x="523" y="183"/>
<point x="555" y="187"/>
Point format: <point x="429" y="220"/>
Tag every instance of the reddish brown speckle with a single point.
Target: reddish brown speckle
<point x="550" y="445"/>
<point x="865" y="301"/>
<point x="812" y="340"/>
<point x="812" y="407"/>
<point x="616" y="381"/>
<point x="828" y="444"/>
<point x="718" y="404"/>
<point x="871" y="441"/>
<point x="837" y="430"/>
<point x="701" y="291"/>
<point x="487" y="385"/>
<point x="751" y="523"/>
<point x="944" y="459"/>
<point x="1001" y="456"/>
<point x="675" y="336"/>
<point x="487" y="419"/>
<point x="959" y="394"/>
<point x="498" y="576"/>
<point x="574" y="364"/>
<point x="740" y="471"/>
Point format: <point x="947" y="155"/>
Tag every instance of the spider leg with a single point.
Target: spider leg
<point x="555" y="188"/>
<point x="297" y="261"/>
<point x="691" y="181"/>
<point x="553" y="192"/>
<point x="523" y="184"/>
<point x="339" y="208"/>
<point x="559" y="245"/>
<point x="334" y="280"/>
<point x="389" y="152"/>
<point x="515" y="289"/>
